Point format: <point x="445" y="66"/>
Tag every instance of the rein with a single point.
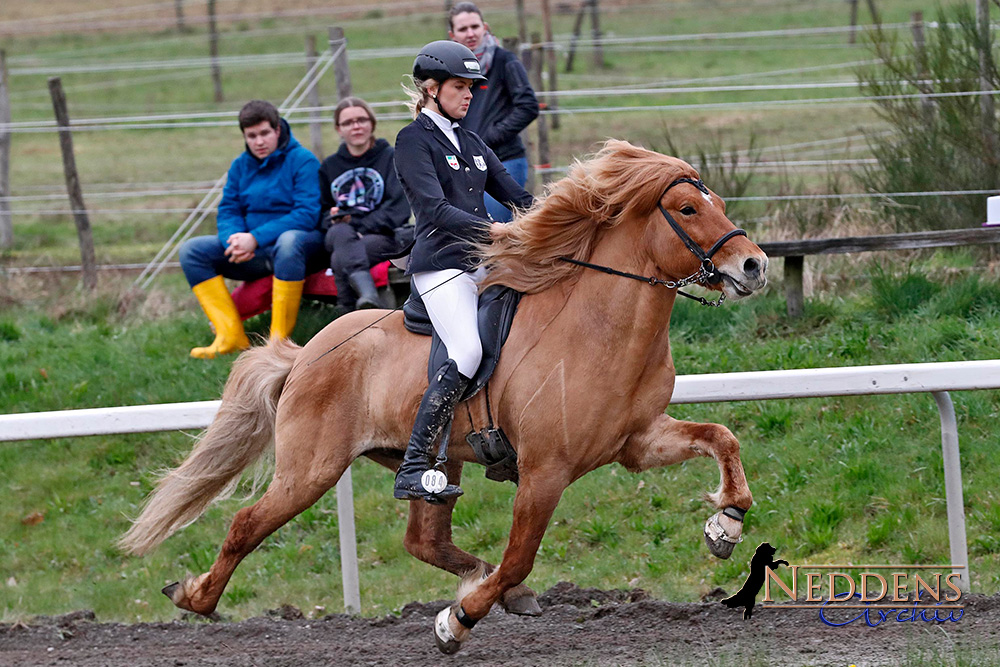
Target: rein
<point x="706" y="273"/>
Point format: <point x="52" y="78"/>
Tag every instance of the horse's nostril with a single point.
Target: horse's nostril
<point x="751" y="267"/>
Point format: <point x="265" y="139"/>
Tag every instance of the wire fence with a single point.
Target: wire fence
<point x="187" y="67"/>
<point x="208" y="119"/>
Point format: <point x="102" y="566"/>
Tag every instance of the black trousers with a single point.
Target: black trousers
<point x="351" y="251"/>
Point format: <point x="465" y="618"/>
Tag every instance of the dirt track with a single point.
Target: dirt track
<point x="578" y="627"/>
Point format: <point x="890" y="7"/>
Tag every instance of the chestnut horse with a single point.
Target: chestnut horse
<point x="585" y="377"/>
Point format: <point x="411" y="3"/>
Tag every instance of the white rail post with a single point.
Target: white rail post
<point x="953" y="488"/>
<point x="348" y="544"/>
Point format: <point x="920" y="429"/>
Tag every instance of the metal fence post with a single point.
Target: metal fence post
<point x="953" y="488"/>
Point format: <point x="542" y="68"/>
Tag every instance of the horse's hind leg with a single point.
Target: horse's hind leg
<point x="428" y="538"/>
<point x="298" y="483"/>
<point x="668" y="441"/>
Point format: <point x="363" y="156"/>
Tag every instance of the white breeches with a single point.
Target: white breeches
<point x="452" y="300"/>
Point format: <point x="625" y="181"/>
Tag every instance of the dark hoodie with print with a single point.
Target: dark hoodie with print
<point x="367" y="187"/>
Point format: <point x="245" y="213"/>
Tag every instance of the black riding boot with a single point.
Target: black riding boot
<point x="436" y="410"/>
<point x="364" y="286"/>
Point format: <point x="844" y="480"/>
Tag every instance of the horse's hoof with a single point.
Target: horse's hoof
<point x="720" y="548"/>
<point x="169" y="590"/>
<point x="443" y="636"/>
<point x="719" y="542"/>
<point x="526" y="605"/>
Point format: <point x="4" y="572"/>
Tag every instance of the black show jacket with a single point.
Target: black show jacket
<point x="445" y="190"/>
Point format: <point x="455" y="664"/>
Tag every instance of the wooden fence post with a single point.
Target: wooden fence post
<point x="73" y="185"/>
<point x="315" y="118"/>
<point x="341" y="70"/>
<point x="6" y="222"/>
<point x="549" y="54"/>
<point x="179" y="13"/>
<point x="852" y="35"/>
<point x="577" y="27"/>
<point x="537" y="62"/>
<point x="522" y="24"/>
<point x="595" y="33"/>
<point x="524" y="53"/>
<point x="794" y="297"/>
<point x="213" y="52"/>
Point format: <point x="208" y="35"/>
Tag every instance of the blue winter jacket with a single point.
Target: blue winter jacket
<point x="270" y="196"/>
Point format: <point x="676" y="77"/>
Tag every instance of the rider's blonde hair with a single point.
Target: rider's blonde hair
<point x="419" y="94"/>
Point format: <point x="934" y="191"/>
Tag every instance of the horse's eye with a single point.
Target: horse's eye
<point x="688" y="210"/>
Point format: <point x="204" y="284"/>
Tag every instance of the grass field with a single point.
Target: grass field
<point x="835" y="480"/>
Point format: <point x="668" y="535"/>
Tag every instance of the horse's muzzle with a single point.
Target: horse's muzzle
<point x="742" y="277"/>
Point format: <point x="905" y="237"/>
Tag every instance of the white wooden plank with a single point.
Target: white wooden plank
<point x="105" y="421"/>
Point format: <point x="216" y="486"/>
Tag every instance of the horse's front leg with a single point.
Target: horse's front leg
<point x="428" y="538"/>
<point x="535" y="501"/>
<point x="668" y="441"/>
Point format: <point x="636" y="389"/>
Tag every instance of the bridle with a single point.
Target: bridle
<point x="707" y="273"/>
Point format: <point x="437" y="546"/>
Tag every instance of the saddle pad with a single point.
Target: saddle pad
<point x="497" y="307"/>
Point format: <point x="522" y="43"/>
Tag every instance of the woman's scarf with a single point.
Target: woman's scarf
<point x="484" y="54"/>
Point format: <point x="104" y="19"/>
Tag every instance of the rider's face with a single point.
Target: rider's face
<point x="468" y="28"/>
<point x="454" y="96"/>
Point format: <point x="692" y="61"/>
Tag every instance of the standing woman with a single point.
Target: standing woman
<point x="444" y="170"/>
<point x="362" y="203"/>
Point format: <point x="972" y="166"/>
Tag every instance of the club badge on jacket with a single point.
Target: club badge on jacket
<point x="480" y="162"/>
<point x="452" y="161"/>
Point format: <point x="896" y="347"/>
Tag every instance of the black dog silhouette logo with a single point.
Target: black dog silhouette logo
<point x="746" y="597"/>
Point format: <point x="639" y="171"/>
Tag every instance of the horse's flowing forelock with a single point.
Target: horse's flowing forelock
<point x="619" y="184"/>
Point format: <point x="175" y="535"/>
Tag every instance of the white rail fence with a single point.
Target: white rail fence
<point x="933" y="378"/>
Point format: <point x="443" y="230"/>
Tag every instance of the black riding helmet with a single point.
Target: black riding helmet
<point x="443" y="60"/>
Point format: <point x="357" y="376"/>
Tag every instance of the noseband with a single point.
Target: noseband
<point x="707" y="274"/>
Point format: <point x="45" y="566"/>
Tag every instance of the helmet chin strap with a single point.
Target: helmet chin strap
<point x="441" y="110"/>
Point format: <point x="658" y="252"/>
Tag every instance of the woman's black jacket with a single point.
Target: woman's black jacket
<point x="445" y="190"/>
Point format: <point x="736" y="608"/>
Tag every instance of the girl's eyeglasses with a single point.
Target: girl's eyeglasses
<point x="364" y="120"/>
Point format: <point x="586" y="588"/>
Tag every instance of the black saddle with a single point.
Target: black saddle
<point x="497" y="306"/>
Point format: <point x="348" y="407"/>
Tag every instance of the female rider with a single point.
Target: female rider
<point x="444" y="170"/>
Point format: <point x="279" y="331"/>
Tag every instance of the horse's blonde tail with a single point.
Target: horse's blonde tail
<point x="243" y="430"/>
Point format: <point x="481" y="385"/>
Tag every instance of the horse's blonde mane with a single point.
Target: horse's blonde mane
<point x="620" y="182"/>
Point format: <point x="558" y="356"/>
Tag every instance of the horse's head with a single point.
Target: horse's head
<point x="624" y="198"/>
<point x="688" y="234"/>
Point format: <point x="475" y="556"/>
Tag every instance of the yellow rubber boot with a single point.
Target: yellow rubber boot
<point x="218" y="305"/>
<point x="285" y="298"/>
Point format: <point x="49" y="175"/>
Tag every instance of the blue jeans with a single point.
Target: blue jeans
<point x="203" y="258"/>
<point x="518" y="169"/>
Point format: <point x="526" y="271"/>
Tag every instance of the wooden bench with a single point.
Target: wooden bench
<point x="794" y="252"/>
<point x="254" y="297"/>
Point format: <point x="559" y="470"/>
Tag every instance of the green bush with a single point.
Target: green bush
<point x="936" y="143"/>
